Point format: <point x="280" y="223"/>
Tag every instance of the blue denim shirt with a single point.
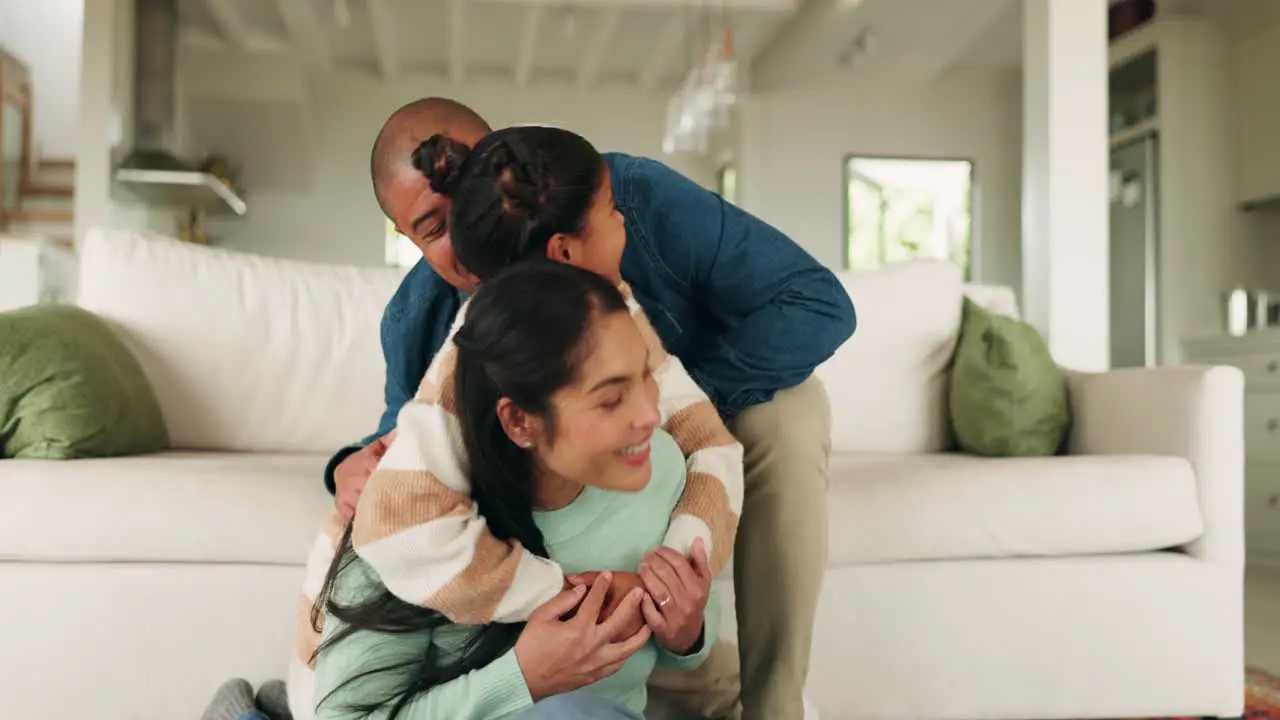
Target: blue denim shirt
<point x="745" y="309"/>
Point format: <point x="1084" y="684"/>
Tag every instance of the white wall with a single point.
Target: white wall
<point x="301" y="141"/>
<point x="794" y="143"/>
<point x="1260" y="227"/>
<point x="104" y="127"/>
<point x="46" y="36"/>
<point x="1205" y="244"/>
<point x="304" y="151"/>
<point x="106" y="53"/>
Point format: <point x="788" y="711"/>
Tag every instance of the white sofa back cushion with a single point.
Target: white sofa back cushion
<point x="888" y="383"/>
<point x="999" y="299"/>
<point x="245" y="352"/>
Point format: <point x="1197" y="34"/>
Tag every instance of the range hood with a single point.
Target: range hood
<point x="152" y="172"/>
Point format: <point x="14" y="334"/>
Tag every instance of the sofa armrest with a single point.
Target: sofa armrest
<point x="1194" y="412"/>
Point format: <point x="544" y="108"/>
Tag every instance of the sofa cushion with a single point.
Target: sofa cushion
<point x="166" y="507"/>
<point x="888" y="383"/>
<point x="887" y="508"/>
<point x="1008" y="396"/>
<point x="70" y="389"/>
<point x="999" y="299"/>
<point x="245" y="352"/>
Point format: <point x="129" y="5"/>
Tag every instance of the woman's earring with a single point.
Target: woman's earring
<point x="526" y="444"/>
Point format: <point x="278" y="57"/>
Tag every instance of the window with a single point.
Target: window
<point x="727" y="183"/>
<point x="399" y="251"/>
<point x="902" y="208"/>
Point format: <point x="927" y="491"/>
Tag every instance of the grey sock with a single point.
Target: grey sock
<point x="273" y="699"/>
<point x="233" y="699"/>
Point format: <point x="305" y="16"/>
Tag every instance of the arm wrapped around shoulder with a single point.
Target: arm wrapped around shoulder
<point x="418" y="528"/>
<point x="712" y="498"/>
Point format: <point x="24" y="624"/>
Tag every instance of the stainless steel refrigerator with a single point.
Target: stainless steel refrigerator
<point x="1135" y="253"/>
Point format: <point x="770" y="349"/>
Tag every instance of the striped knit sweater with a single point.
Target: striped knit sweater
<point x="417" y="527"/>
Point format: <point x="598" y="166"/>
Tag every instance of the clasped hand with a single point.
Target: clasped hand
<point x="567" y="645"/>
<point x="676" y="590"/>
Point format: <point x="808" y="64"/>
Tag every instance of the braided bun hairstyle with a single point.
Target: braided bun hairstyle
<point x="441" y="159"/>
<point x="514" y="191"/>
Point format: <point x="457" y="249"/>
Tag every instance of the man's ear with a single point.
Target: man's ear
<point x="561" y="248"/>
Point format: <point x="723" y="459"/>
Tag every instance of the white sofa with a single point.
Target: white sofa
<point x="1104" y="584"/>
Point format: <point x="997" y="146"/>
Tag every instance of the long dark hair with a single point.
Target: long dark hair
<point x="513" y="192"/>
<point x="524" y="338"/>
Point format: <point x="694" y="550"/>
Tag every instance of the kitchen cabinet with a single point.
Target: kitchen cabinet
<point x="1256" y="68"/>
<point x="1258" y="357"/>
<point x="1169" y="89"/>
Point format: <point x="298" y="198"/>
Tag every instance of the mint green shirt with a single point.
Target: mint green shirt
<point x="599" y="530"/>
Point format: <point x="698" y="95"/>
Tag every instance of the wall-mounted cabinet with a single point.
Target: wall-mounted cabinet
<point x="1168" y="91"/>
<point x="1256" y="71"/>
<point x="1133" y="91"/>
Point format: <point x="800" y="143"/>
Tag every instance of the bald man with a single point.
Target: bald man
<point x="748" y="312"/>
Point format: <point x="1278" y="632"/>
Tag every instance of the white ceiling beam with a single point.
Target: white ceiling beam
<point x="306" y="32"/>
<point x="788" y="55"/>
<point x="598" y="47"/>
<point x="198" y="39"/>
<point x="229" y="22"/>
<point x="384" y="37"/>
<point x="527" y="52"/>
<point x="665" y="48"/>
<point x="778" y="5"/>
<point x="961" y="36"/>
<point x="457" y="41"/>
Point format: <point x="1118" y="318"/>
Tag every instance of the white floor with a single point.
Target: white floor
<point x="1262" y="619"/>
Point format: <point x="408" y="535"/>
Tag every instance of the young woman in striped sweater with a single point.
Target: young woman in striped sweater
<point x="523" y="194"/>
<point x="557" y="409"/>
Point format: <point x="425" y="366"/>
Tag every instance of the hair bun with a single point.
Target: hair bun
<point x="518" y="180"/>
<point x="469" y="346"/>
<point x="462" y="339"/>
<point x="440" y="159"/>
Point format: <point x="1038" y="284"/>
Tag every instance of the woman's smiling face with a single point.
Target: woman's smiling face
<point x="604" y="420"/>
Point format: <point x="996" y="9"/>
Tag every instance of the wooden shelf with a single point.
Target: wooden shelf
<point x="1133" y="43"/>
<point x="37" y="216"/>
<point x="1150" y="126"/>
<point x="33" y="190"/>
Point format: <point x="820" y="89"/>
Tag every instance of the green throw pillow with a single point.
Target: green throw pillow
<point x="1008" y="396"/>
<point x="69" y="388"/>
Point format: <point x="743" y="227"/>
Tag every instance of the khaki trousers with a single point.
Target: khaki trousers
<point x="779" y="560"/>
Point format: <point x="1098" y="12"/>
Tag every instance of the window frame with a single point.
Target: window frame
<point x="394" y="248"/>
<point x="847" y="175"/>
<point x="721" y="172"/>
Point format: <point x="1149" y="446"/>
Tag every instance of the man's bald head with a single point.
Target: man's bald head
<point x="411" y="125"/>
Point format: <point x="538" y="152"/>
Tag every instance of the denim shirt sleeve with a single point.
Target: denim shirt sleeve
<point x="786" y="312"/>
<point x="410" y="334"/>
<point x="395" y="336"/>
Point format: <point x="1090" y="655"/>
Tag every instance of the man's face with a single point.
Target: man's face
<point x="422" y="215"/>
